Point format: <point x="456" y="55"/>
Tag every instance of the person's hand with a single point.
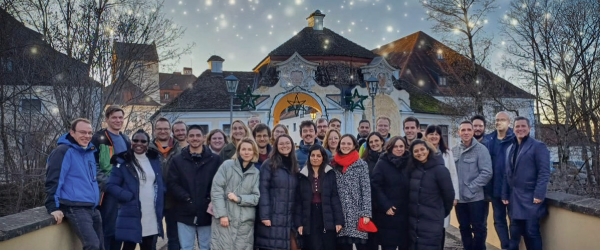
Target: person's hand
<point x="537" y="201"/>
<point x="506" y="202"/>
<point x="224" y="221"/>
<point x="300" y="230"/>
<point x="232" y="197"/>
<point x="58" y="216"/>
<point x="267" y="223"/>
<point x="455" y="202"/>
<point x="366" y="220"/>
<point x="338" y="228"/>
<point x="391" y="211"/>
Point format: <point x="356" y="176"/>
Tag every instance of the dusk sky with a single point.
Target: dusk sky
<point x="243" y="32"/>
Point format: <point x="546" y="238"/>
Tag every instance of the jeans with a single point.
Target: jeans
<point x="187" y="236"/>
<point x="471" y="219"/>
<point x="500" y="212"/>
<point x="148" y="243"/>
<point x="171" y="223"/>
<point x="530" y="230"/>
<point x="87" y="224"/>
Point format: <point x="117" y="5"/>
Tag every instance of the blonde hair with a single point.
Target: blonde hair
<point x="326" y="140"/>
<point x="254" y="148"/>
<point x="273" y="132"/>
<point x="248" y="132"/>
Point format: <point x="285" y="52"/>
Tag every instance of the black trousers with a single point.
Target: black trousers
<point x="319" y="238"/>
<point x="148" y="243"/>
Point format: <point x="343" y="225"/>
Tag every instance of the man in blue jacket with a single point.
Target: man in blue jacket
<point x="497" y="143"/>
<point x="308" y="133"/>
<point x="525" y="185"/>
<point x="71" y="187"/>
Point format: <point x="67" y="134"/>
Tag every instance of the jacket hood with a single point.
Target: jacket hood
<point x="437" y="159"/>
<point x="304" y="170"/>
<point x="67" y="139"/>
<point x="509" y="135"/>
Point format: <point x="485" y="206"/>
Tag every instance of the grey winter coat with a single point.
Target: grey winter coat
<point x="240" y="232"/>
<point x="474" y="168"/>
<point x="354" y="189"/>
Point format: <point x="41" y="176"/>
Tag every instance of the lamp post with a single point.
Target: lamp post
<point x="232" y="83"/>
<point x="373" y="86"/>
<point x="313" y="114"/>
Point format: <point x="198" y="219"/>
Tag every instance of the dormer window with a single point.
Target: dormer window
<point x="442" y="81"/>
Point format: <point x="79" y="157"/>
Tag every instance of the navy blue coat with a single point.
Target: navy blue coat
<point x="124" y="184"/>
<point x="498" y="155"/>
<point x="276" y="203"/>
<point x="526" y="178"/>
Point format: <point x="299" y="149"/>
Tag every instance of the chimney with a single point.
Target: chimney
<point x="187" y="71"/>
<point x="215" y="64"/>
<point x="315" y="20"/>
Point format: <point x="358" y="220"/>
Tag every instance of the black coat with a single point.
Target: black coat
<point x="431" y="199"/>
<point x="330" y="201"/>
<point x="390" y="188"/>
<point x="372" y="159"/>
<point x="189" y="182"/>
<point x="276" y="203"/>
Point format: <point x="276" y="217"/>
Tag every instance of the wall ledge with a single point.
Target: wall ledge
<point x="15" y="225"/>
<point x="575" y="203"/>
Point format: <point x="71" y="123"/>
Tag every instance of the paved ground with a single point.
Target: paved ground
<point x="452" y="241"/>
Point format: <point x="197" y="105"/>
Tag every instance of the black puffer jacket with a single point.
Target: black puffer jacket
<point x="276" y="203"/>
<point x="330" y="201"/>
<point x="389" y="185"/>
<point x="189" y="182"/>
<point x="372" y="159"/>
<point x="431" y="198"/>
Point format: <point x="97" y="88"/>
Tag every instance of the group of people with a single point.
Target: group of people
<point x="256" y="189"/>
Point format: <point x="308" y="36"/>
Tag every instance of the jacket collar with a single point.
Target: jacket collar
<point x="206" y="153"/>
<point x="305" y="148"/>
<point x="510" y="134"/>
<point x="67" y="139"/>
<point x="473" y="143"/>
<point x="304" y="170"/>
<point x="237" y="167"/>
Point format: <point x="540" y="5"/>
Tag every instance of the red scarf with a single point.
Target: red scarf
<point x="346" y="160"/>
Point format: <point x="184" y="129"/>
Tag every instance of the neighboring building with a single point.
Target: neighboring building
<point x="171" y="85"/>
<point x="42" y="90"/>
<point x="439" y="71"/>
<point x="318" y="69"/>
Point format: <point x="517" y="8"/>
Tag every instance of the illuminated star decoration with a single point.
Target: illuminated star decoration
<point x="297" y="105"/>
<point x="355" y="101"/>
<point x="248" y="99"/>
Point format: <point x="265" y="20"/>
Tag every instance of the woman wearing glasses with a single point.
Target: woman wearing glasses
<point x="137" y="183"/>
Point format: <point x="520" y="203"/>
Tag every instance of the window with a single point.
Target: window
<point x="31" y="105"/>
<point x="226" y="128"/>
<point x="6" y="64"/>
<point x="440" y="56"/>
<point x="166" y="97"/>
<point x="442" y="81"/>
<point x="423" y="127"/>
<point x="445" y="134"/>
<point x="204" y="129"/>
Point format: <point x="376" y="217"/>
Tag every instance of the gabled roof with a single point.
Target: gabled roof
<point x="416" y="56"/>
<point x="310" y="42"/>
<point x="175" y="81"/>
<point x="135" y="51"/>
<point x="209" y="93"/>
<point x="130" y="91"/>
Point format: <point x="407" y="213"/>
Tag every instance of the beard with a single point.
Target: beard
<point x="478" y="136"/>
<point x="321" y="137"/>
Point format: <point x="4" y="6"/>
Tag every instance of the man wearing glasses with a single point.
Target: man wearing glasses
<point x="109" y="141"/>
<point x="71" y="186"/>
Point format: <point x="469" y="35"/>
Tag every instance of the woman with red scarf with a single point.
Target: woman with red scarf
<point x="354" y="188"/>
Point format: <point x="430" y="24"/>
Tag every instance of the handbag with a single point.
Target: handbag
<point x="369" y="227"/>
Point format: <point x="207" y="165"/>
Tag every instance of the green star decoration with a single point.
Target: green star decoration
<point x="297" y="105"/>
<point x="356" y="101"/>
<point x="248" y="99"/>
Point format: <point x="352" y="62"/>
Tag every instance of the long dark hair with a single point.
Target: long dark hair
<point x="136" y="164"/>
<point x="321" y="170"/>
<point x="277" y="158"/>
<point x="365" y="155"/>
<point x="437" y="129"/>
<point x="413" y="163"/>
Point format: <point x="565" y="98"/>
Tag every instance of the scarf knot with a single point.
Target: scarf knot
<point x="346" y="160"/>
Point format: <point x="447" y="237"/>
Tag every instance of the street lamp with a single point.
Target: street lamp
<point x="313" y="114"/>
<point x="232" y="83"/>
<point x="373" y="86"/>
